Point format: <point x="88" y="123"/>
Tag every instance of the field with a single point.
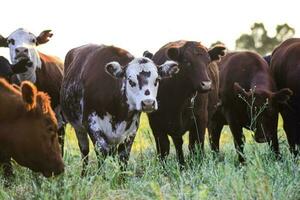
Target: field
<point x="262" y="177"/>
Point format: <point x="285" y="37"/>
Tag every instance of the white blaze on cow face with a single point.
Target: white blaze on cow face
<point x="141" y="77"/>
<point x="22" y="44"/>
<point x="141" y="85"/>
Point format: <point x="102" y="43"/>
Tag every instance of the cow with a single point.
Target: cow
<point x="248" y="98"/>
<point x="28" y="130"/>
<point x="285" y="67"/>
<point x="183" y="99"/>
<point x="104" y="91"/>
<point x="7" y="70"/>
<point x="46" y="71"/>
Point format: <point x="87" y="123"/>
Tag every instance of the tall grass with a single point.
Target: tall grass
<point x="211" y="177"/>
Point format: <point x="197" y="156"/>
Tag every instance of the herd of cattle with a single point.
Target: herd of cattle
<point x="102" y="91"/>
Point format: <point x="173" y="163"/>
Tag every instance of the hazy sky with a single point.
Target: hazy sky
<point x="137" y="25"/>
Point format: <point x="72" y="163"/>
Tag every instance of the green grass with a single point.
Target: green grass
<point x="262" y="177"/>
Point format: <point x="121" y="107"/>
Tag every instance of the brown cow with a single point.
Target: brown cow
<point x="182" y="104"/>
<point x="104" y="91"/>
<point x="247" y="99"/>
<point x="28" y="130"/>
<point x="46" y="72"/>
<point x="285" y="66"/>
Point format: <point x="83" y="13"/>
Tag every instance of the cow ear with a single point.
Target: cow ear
<point x="173" y="53"/>
<point x="3" y="41"/>
<point x="43" y="37"/>
<point x="114" y="69"/>
<point x="238" y="90"/>
<point x="282" y="96"/>
<point x="148" y="54"/>
<point x="217" y="52"/>
<point x="29" y="92"/>
<point x="168" y="69"/>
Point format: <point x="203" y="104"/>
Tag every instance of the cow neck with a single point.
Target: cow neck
<point x="181" y="90"/>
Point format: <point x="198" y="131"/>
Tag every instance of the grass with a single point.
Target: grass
<point x="262" y="177"/>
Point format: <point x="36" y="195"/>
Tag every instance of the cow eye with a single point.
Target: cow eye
<point x="131" y="83"/>
<point x="33" y="40"/>
<point x="11" y="41"/>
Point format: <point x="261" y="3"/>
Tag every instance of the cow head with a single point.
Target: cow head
<point x="141" y="78"/>
<point x="263" y="106"/>
<point x="36" y="144"/>
<point x="193" y="60"/>
<point x="7" y="70"/>
<point x="22" y="45"/>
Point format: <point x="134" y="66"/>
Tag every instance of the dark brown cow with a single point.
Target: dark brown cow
<point x="285" y="66"/>
<point x="46" y="72"/>
<point x="104" y="91"/>
<point x="247" y="99"/>
<point x="7" y="70"/>
<point x="28" y="130"/>
<point x="182" y="107"/>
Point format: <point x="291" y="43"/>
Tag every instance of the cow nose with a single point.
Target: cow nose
<point x="148" y="105"/>
<point x="21" y="51"/>
<point x="205" y="86"/>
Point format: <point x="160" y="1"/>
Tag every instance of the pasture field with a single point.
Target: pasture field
<point x="262" y="177"/>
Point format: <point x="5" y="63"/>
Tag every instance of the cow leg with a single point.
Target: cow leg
<point x="124" y="151"/>
<point x="214" y="129"/>
<point x="61" y="128"/>
<point x="162" y="145"/>
<point x="237" y="132"/>
<point x="5" y="163"/>
<point x="83" y="143"/>
<point x="291" y="129"/>
<point x="178" y="141"/>
<point x="197" y="133"/>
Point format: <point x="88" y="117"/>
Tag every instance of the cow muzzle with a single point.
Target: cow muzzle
<point x="21" y="53"/>
<point x="205" y="86"/>
<point x="148" y="105"/>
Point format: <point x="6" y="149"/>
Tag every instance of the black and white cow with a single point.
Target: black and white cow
<point x="104" y="91"/>
<point x="45" y="71"/>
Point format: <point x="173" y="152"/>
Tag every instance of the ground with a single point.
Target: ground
<point x="261" y="177"/>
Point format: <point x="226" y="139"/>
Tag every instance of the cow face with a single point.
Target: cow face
<point x="141" y="80"/>
<point x="262" y="106"/>
<point x="194" y="60"/>
<point x="37" y="144"/>
<point x="22" y="45"/>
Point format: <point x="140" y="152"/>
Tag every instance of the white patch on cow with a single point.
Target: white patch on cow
<point x="135" y="95"/>
<point x="114" y="135"/>
<point x="25" y="39"/>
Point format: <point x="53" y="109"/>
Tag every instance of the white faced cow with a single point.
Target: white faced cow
<point x="104" y="91"/>
<point x="45" y="71"/>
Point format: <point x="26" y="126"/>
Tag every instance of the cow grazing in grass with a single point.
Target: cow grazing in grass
<point x="182" y="102"/>
<point x="285" y="67"/>
<point x="28" y="130"/>
<point x="248" y="99"/>
<point x="46" y="71"/>
<point x="104" y="91"/>
<point x="7" y="70"/>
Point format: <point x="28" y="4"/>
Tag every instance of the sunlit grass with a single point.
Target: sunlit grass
<point x="211" y="177"/>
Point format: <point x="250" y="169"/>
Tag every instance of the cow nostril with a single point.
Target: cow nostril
<point x="17" y="50"/>
<point x="147" y="92"/>
<point x="26" y="50"/>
